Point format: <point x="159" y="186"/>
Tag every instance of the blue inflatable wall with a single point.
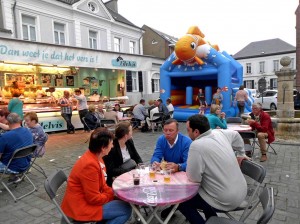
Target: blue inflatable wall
<point x="219" y="70"/>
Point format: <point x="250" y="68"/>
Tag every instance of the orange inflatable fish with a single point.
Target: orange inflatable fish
<point x="186" y="47"/>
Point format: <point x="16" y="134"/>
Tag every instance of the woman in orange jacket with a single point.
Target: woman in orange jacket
<point x="87" y="196"/>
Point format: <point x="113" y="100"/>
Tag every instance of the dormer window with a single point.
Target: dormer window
<point x="93" y="7"/>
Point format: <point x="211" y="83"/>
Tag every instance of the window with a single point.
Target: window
<point x="262" y="67"/>
<point x="155" y="83"/>
<point x="93" y="39"/>
<point x="117" y="44"/>
<point x="273" y="83"/>
<point x="28" y="28"/>
<point x="59" y="33"/>
<point x="249" y="84"/>
<point x="131" y="47"/>
<point x="135" y="82"/>
<point x="93" y="7"/>
<point x="292" y="64"/>
<point x="248" y="68"/>
<point x="276" y="65"/>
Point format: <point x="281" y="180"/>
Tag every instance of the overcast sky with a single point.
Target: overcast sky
<point x="232" y="24"/>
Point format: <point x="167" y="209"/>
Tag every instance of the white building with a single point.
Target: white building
<point x="261" y="59"/>
<point x="84" y="38"/>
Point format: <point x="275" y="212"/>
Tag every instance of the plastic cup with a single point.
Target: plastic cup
<point x="167" y="176"/>
<point x="136" y="178"/>
<point x="152" y="171"/>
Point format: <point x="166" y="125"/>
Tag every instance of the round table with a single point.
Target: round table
<point x="154" y="192"/>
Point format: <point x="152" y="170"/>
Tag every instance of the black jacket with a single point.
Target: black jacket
<point x="114" y="160"/>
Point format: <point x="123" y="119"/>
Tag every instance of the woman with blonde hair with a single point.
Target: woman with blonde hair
<point x="216" y="118"/>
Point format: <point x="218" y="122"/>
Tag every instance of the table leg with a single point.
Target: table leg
<point x="153" y="214"/>
<point x="170" y="214"/>
<point x="137" y="211"/>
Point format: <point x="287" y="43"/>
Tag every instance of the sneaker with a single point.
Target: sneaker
<point x="263" y="158"/>
<point x="14" y="179"/>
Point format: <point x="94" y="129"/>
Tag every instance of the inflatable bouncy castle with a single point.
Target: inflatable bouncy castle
<point x="195" y="64"/>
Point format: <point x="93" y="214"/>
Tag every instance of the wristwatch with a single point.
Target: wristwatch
<point x="179" y="167"/>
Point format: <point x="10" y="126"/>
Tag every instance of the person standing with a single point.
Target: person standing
<point x="218" y="97"/>
<point x="15" y="105"/>
<point x="66" y="106"/>
<point x="213" y="163"/>
<point x="261" y="123"/>
<point x="241" y="97"/>
<point x="81" y="107"/>
<point x="201" y="98"/>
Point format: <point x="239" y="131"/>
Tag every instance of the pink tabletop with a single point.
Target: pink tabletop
<point x="239" y="127"/>
<point x="154" y="192"/>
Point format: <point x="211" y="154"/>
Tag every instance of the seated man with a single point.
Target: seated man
<point x="213" y="163"/>
<point x="163" y="109"/>
<point x="139" y="111"/>
<point x="12" y="140"/>
<point x="171" y="147"/>
<point x="261" y="123"/>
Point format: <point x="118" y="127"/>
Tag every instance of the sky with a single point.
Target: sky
<point x="232" y="24"/>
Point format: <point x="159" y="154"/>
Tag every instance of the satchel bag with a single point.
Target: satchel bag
<point x="129" y="165"/>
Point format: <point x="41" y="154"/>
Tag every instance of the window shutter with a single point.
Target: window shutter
<point x="252" y="84"/>
<point x="245" y="84"/>
<point x="140" y="74"/>
<point x="128" y="81"/>
<point x="152" y="85"/>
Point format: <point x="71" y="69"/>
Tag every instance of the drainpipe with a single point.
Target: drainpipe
<point x="15" y="19"/>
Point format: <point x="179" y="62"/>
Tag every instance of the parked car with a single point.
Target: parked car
<point x="254" y="92"/>
<point x="269" y="98"/>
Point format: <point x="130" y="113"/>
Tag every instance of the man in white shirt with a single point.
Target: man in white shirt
<point x="213" y="163"/>
<point x="81" y="107"/>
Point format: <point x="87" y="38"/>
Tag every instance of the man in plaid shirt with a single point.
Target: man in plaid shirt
<point x="66" y="111"/>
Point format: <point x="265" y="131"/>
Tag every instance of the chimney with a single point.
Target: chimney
<point x="113" y="5"/>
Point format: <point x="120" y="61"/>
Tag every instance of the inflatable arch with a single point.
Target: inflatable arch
<point x="196" y="64"/>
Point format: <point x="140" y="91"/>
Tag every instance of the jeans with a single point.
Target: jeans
<point x="116" y="212"/>
<point x="82" y="114"/>
<point x="189" y="210"/>
<point x="67" y="118"/>
<point x="2" y="168"/>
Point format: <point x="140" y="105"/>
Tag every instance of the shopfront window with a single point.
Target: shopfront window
<point x="131" y="47"/>
<point x="93" y="39"/>
<point x="117" y="44"/>
<point x="59" y="34"/>
<point x="29" y="28"/>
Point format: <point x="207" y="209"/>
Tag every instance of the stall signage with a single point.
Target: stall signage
<point x="21" y="51"/>
<point x="119" y="62"/>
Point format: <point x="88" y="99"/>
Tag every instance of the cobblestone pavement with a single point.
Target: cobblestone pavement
<point x="63" y="150"/>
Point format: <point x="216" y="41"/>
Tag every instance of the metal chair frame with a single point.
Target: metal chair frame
<point x="53" y="184"/>
<point x="266" y="198"/>
<point x="20" y="153"/>
<point x="257" y="173"/>
<point x="158" y="121"/>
